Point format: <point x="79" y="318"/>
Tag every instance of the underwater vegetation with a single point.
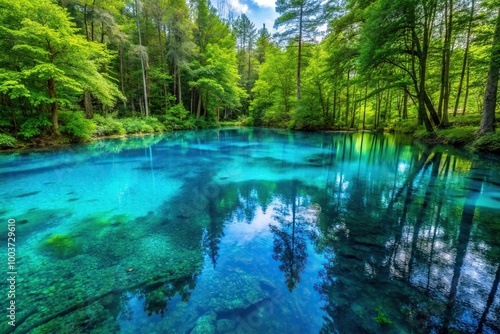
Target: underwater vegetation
<point x="381" y="319"/>
<point x="60" y="245"/>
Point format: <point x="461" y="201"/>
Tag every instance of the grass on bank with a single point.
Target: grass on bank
<point x="462" y="132"/>
<point x="35" y="130"/>
<point x="76" y="128"/>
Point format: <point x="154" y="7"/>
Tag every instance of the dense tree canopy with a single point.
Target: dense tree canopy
<point x="382" y="65"/>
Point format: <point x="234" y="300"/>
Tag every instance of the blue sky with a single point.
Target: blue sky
<point x="258" y="11"/>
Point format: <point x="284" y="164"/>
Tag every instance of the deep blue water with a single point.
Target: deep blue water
<point x="253" y="231"/>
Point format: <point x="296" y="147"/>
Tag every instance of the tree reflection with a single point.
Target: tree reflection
<point x="289" y="236"/>
<point x="156" y="297"/>
<point x="474" y="189"/>
<point x="489" y="302"/>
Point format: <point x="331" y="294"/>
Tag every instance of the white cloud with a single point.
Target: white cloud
<point x="238" y="6"/>
<point x="265" y="3"/>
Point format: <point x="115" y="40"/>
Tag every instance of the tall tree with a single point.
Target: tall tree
<point x="263" y="41"/>
<point x="180" y="42"/>
<point x="143" y="55"/>
<point x="403" y="40"/>
<point x="466" y="56"/>
<point x="300" y="19"/>
<point x="245" y="37"/>
<point x="490" y="94"/>
<point x="51" y="62"/>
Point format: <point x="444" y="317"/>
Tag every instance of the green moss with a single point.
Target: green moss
<point x="466" y="120"/>
<point x="489" y="142"/>
<point x="457" y="136"/>
<point x="60" y="245"/>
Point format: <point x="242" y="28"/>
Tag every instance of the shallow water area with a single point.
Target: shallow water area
<point x="247" y="230"/>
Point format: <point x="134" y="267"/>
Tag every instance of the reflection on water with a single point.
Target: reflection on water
<point x="254" y="231"/>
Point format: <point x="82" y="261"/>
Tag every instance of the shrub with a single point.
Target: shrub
<point x="108" y="126"/>
<point x="489" y="142"/>
<point x="178" y="118"/>
<point x="76" y="126"/>
<point x="136" y="125"/>
<point x="407" y="126"/>
<point x="248" y="121"/>
<point x="34" y="126"/>
<point x="155" y="124"/>
<point x="7" y="141"/>
<point x="306" y="119"/>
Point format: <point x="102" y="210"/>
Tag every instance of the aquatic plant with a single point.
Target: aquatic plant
<point x="381" y="319"/>
<point x="61" y="245"/>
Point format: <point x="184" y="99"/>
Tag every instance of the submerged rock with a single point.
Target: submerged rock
<point x="225" y="326"/>
<point x="205" y="324"/>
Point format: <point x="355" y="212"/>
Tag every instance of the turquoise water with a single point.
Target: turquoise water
<point x="253" y="231"/>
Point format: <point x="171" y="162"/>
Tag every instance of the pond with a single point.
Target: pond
<point x="253" y="231"/>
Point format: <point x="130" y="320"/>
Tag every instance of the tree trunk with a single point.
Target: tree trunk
<point x="122" y="78"/>
<point x="85" y="22"/>
<point x="179" y="90"/>
<point x="466" y="55"/>
<point x="102" y="33"/>
<point x="347" y="102"/>
<point x="143" y="67"/>
<point x="198" y="109"/>
<point x="405" y="105"/>
<point x="490" y="94"/>
<point x="353" y="106"/>
<point x="89" y="113"/>
<point x="467" y="80"/>
<point x="387" y="105"/>
<point x="447" y="59"/>
<point x="423" y="99"/>
<point x="364" y="108"/>
<point x="299" y="52"/>
<point x="334" y="106"/>
<point x="321" y="100"/>
<point x="53" y="105"/>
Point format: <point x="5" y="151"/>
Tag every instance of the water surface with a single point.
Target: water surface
<point x="254" y="231"/>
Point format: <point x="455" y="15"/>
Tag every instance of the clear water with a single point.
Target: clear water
<point x="253" y="231"/>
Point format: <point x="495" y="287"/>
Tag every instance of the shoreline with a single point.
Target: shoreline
<point x="50" y="143"/>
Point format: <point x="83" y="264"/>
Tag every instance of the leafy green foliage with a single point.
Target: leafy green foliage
<point x="108" y="126"/>
<point x="136" y="125"/>
<point x="78" y="128"/>
<point x="34" y="126"/>
<point x="274" y="98"/>
<point x="155" y="124"/>
<point x="407" y="126"/>
<point x="178" y="118"/>
<point x="307" y="119"/>
<point x="7" y="141"/>
<point x="49" y="62"/>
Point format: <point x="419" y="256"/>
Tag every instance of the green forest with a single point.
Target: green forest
<point x="72" y="70"/>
